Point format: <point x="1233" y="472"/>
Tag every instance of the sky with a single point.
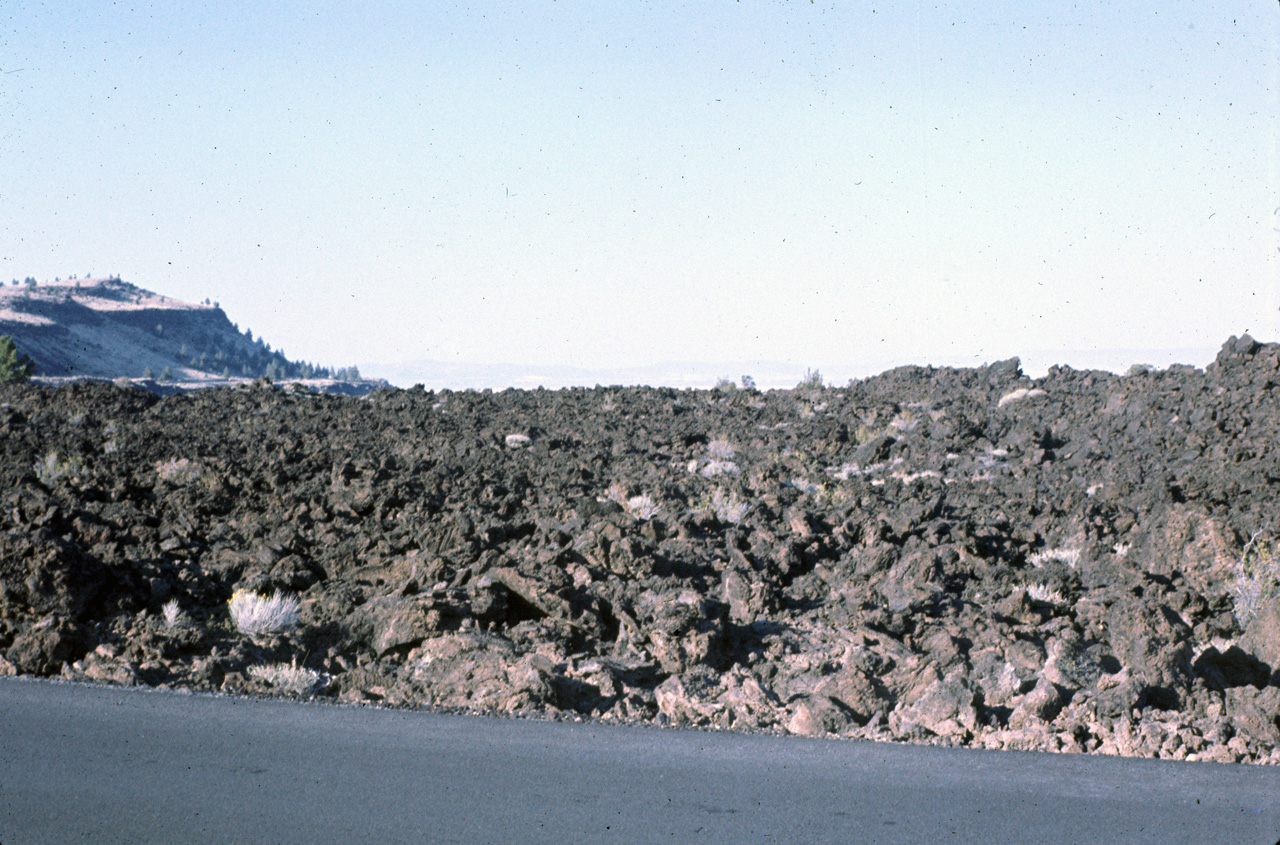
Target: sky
<point x="619" y="184"/>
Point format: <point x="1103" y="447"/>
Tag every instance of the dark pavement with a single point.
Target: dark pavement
<point x="107" y="765"/>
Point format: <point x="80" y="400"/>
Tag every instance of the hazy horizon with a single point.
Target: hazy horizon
<point x="437" y="375"/>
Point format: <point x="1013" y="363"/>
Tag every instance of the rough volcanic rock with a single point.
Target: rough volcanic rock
<point x="959" y="556"/>
<point x="43" y="647"/>
<point x="1262" y="636"/>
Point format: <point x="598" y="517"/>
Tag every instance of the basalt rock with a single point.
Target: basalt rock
<point x="958" y="556"/>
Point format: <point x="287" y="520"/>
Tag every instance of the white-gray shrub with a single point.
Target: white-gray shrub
<point x="255" y="614"/>
<point x="52" y="469"/>
<point x="804" y="485"/>
<point x="1044" y="594"/>
<point x="173" y="615"/>
<point x="721" y="449"/>
<point x="642" y="506"/>
<point x="1068" y="556"/>
<point x="297" y="680"/>
<point x="1257" y="580"/>
<point x="728" y="507"/>
<point x="713" y="468"/>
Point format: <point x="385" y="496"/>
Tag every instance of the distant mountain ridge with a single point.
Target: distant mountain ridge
<point x="109" y="328"/>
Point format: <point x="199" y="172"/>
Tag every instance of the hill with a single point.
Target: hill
<point x="108" y="328"/>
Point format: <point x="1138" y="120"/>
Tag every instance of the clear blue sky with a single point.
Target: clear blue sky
<point x="609" y="184"/>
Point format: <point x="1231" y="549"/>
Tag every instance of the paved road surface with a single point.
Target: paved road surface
<point x="104" y="765"/>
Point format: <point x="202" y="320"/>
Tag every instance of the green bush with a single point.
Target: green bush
<point x="14" y="367"/>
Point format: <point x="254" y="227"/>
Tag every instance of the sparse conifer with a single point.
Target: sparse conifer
<point x="14" y="366"/>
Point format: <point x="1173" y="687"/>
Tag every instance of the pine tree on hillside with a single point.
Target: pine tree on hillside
<point x="14" y="367"/>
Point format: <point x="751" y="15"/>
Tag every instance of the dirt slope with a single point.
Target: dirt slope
<point x="958" y="556"/>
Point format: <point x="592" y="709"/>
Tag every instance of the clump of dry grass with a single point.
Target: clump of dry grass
<point x="255" y="614"/>
<point x="1257" y="580"/>
<point x="728" y="507"/>
<point x="174" y="618"/>
<point x="289" y="678"/>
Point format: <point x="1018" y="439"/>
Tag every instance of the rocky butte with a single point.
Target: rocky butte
<point x="107" y="328"/>
<point x="1076" y="563"/>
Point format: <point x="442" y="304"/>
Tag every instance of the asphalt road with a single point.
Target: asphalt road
<point x="107" y="765"/>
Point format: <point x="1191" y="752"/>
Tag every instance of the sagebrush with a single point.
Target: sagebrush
<point x="255" y="614"/>
<point x="1257" y="579"/>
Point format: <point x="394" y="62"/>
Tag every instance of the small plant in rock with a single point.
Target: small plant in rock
<point x="1068" y="556"/>
<point x="728" y="507"/>
<point x="47" y="470"/>
<point x="289" y="678"/>
<point x="721" y="462"/>
<point x="52" y="469"/>
<point x="256" y="615"/>
<point x="804" y="485"/>
<point x="174" y="618"/>
<point x="1257" y="580"/>
<point x="1044" y="594"/>
<point x="721" y="449"/>
<point x="641" y="507"/>
<point x="906" y="420"/>
<point x="711" y="469"/>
